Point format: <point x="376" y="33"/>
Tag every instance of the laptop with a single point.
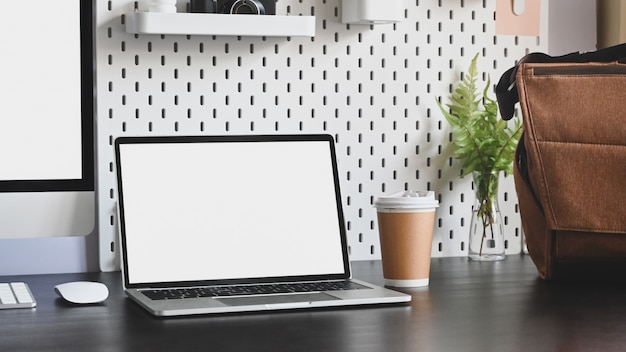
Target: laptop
<point x="221" y="224"/>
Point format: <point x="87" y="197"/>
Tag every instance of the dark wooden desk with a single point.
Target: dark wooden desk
<point x="469" y="306"/>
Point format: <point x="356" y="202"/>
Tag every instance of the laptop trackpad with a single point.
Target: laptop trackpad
<point x="277" y="299"/>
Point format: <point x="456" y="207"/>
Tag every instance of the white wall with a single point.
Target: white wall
<point x="572" y="26"/>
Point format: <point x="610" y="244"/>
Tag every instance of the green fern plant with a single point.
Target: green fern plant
<point x="485" y="144"/>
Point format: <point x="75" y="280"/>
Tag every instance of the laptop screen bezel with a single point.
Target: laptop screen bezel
<point x="229" y="139"/>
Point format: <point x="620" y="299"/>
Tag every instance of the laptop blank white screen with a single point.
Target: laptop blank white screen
<point x="214" y="211"/>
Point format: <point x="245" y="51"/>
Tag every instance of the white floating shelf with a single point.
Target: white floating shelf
<point x="219" y="24"/>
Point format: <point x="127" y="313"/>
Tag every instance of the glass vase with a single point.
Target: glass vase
<point x="486" y="238"/>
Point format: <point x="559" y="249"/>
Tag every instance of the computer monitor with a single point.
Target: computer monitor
<point x="46" y="118"/>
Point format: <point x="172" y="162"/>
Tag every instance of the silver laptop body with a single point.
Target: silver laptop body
<point x="233" y="224"/>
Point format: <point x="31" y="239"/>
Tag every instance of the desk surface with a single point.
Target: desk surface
<point x="469" y="306"/>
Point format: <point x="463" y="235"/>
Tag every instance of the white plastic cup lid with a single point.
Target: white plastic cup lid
<point x="407" y="200"/>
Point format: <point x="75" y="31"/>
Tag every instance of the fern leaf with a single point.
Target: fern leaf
<point x="483" y="142"/>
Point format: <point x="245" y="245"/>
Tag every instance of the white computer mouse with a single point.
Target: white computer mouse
<point x="82" y="292"/>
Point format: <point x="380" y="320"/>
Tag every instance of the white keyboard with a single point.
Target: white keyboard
<point x="16" y="295"/>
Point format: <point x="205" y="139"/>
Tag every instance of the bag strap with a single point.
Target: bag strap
<point x="506" y="89"/>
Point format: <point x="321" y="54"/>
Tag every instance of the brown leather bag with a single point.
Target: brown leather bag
<point x="570" y="169"/>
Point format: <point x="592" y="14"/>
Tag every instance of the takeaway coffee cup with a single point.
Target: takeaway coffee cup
<point x="406" y="222"/>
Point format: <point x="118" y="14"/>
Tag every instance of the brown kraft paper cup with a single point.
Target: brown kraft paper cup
<point x="406" y="236"/>
<point x="406" y="242"/>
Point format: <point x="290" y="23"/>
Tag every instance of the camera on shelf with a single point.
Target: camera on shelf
<point x="234" y="7"/>
<point x="247" y="7"/>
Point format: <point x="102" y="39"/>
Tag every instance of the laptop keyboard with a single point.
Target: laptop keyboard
<point x="246" y="290"/>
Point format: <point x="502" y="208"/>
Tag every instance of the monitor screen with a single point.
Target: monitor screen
<point x="46" y="129"/>
<point x="272" y="203"/>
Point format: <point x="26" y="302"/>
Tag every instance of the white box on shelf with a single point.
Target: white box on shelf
<point x="219" y="24"/>
<point x="371" y="11"/>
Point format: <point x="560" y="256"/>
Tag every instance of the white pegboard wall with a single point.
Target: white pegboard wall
<point x="372" y="87"/>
